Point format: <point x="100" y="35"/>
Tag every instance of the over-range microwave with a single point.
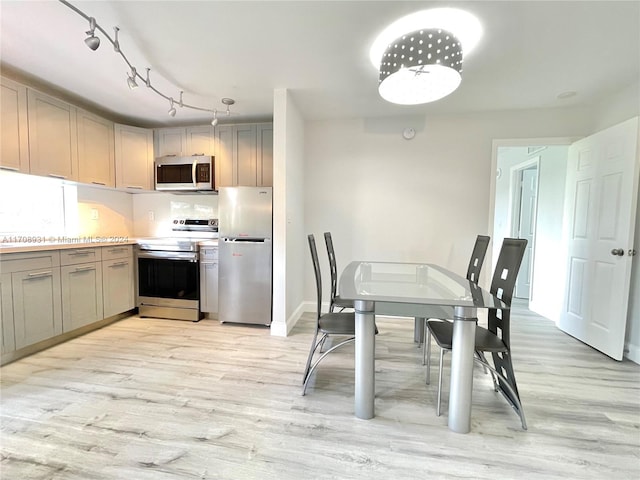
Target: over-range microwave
<point x="195" y="173"/>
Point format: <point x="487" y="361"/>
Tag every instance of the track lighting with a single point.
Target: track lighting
<point x="131" y="79"/>
<point x="228" y="102"/>
<point x="116" y="43"/>
<point x="92" y="41"/>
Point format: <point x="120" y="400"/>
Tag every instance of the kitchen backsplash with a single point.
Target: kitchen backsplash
<point x="51" y="208"/>
<point x="153" y="212"/>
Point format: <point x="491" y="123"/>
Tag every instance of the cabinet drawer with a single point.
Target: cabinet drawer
<point x="20" y="262"/>
<point x="79" y="255"/>
<point x="208" y="254"/>
<point x="119" y="251"/>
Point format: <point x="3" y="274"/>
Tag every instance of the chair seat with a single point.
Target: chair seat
<point x="342" y="303"/>
<point x="486" y="341"/>
<point x="338" y="323"/>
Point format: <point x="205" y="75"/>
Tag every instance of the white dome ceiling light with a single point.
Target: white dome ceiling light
<point x="420" y="55"/>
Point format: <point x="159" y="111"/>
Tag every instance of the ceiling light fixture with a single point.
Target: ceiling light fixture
<point x="131" y="79"/>
<point x="93" y="43"/>
<point x="420" y="55"/>
<point x="172" y="109"/>
<point x="116" y="42"/>
<point x="214" y="122"/>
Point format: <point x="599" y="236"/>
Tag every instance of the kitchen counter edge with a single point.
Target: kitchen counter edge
<point x="35" y="247"/>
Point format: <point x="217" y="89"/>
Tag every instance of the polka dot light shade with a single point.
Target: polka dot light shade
<point x="421" y="67"/>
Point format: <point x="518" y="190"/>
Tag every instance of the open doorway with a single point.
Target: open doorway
<point x="528" y="203"/>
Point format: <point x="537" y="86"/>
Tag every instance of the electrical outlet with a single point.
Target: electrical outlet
<point x="152" y="215"/>
<point x="94" y="214"/>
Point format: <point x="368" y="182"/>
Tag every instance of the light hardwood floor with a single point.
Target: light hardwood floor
<point x="160" y="399"/>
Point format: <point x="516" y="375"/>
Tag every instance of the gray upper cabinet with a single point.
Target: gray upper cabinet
<point x="14" y="128"/>
<point x="134" y="157"/>
<point x="185" y="141"/>
<point x="53" y="141"/>
<point x="96" y="150"/>
<point x="244" y="155"/>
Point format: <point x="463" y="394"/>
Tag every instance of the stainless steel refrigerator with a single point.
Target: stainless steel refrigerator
<point x="245" y="252"/>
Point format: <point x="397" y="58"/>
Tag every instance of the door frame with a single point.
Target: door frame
<point x="511" y="142"/>
<point x="515" y="199"/>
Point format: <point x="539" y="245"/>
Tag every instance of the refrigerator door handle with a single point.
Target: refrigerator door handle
<point x="244" y="240"/>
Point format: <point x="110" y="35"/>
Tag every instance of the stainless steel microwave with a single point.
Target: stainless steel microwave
<point x="195" y="173"/>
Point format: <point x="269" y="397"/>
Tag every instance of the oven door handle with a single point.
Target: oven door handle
<point x="188" y="256"/>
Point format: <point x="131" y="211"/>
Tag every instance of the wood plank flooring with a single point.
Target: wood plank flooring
<point x="161" y="399"/>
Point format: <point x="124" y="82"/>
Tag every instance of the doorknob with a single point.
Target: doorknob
<point x="617" y="251"/>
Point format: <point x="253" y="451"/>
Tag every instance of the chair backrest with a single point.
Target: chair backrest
<point x="316" y="269"/>
<point x="477" y="258"/>
<point x="332" y="267"/>
<point x="502" y="286"/>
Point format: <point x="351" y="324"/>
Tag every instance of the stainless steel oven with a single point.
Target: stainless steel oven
<point x="168" y="273"/>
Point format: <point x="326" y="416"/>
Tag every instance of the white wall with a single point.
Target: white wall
<point x="425" y="199"/>
<point x="288" y="213"/>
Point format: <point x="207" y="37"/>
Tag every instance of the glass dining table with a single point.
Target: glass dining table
<point x="415" y="290"/>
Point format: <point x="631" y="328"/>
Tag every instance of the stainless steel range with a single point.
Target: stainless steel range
<point x="168" y="274"/>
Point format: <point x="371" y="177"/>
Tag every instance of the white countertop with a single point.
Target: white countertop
<point x="35" y="243"/>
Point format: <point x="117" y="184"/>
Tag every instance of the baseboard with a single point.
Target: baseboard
<point x="283" y="329"/>
<point x="632" y="352"/>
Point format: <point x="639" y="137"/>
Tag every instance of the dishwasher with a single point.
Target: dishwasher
<point x="209" y="279"/>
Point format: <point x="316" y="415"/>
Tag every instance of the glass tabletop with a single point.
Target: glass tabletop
<point x="412" y="283"/>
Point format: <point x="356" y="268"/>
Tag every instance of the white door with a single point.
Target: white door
<point x="527" y="227"/>
<point x="600" y="212"/>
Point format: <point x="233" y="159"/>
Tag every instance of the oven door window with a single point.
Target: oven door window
<point x="162" y="278"/>
<point x="181" y="173"/>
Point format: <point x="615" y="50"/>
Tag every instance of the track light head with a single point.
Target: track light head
<point x="147" y="82"/>
<point x="172" y="109"/>
<point x="214" y="122"/>
<point x="92" y="41"/>
<point x="116" y="42"/>
<point x="131" y="79"/>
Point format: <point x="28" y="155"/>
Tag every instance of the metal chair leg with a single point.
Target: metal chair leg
<point x="442" y="350"/>
<point x="428" y="354"/>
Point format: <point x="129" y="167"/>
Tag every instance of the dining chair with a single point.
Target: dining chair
<point x="496" y="338"/>
<point x="336" y="301"/>
<point x="328" y="324"/>
<point x="473" y="274"/>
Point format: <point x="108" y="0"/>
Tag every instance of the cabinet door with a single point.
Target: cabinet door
<point x="265" y="155"/>
<point x="8" y="342"/>
<point x="200" y="140"/>
<point x="81" y="295"/>
<point x="171" y="141"/>
<point x="225" y="169"/>
<point x="37" y="310"/>
<point x="53" y="141"/>
<point x="117" y="286"/>
<point x="209" y="287"/>
<point x="14" y="130"/>
<point x="244" y="152"/>
<point x="96" y="158"/>
<point x="134" y="157"/>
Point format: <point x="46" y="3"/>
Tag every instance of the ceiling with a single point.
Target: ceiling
<point x="531" y="51"/>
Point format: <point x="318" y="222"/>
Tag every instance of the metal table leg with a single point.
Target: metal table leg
<point x="461" y="387"/>
<point x="365" y="359"/>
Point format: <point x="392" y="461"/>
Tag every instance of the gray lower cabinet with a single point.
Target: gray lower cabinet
<point x="37" y="309"/>
<point x="118" y="274"/>
<point x="81" y="295"/>
<point x="7" y="337"/>
<point x="209" y="280"/>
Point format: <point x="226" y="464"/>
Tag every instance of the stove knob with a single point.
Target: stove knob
<point x="175" y="221"/>
<point x="181" y="222"/>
